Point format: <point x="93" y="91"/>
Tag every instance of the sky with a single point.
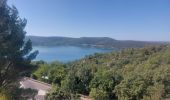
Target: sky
<point x="145" y="20"/>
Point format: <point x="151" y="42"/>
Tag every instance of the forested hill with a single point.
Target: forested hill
<point x="131" y="74"/>
<point x="102" y="42"/>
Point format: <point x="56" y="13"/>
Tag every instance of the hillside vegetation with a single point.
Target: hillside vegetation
<point x="131" y="74"/>
<point x="101" y="42"/>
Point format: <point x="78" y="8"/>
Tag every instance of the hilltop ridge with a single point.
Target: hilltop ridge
<point x="101" y="42"/>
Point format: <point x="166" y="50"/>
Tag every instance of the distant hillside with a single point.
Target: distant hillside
<point x="101" y="42"/>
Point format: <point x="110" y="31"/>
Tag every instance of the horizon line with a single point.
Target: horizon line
<point x="92" y="37"/>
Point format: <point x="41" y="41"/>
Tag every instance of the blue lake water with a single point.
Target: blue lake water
<point x="65" y="53"/>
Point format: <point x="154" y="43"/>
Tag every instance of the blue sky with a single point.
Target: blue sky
<point x="120" y="19"/>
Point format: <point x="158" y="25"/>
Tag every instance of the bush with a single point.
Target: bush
<point x="98" y="94"/>
<point x="4" y="94"/>
<point x="4" y="97"/>
<point x="57" y="93"/>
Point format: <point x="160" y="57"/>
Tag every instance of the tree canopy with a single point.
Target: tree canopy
<point x="130" y="74"/>
<point x="15" y="53"/>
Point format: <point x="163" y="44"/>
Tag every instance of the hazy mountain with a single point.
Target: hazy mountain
<point x="102" y="42"/>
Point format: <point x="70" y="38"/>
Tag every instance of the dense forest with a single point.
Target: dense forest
<point x="100" y="42"/>
<point x="130" y="74"/>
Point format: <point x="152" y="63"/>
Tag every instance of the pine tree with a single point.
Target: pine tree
<point x="15" y="52"/>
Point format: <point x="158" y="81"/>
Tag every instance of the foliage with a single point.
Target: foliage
<point x="17" y="93"/>
<point x="23" y="94"/>
<point x="104" y="81"/>
<point x="4" y="95"/>
<point x="50" y="73"/>
<point x="14" y="51"/>
<point x="131" y="74"/>
<point x="57" y="94"/>
<point x="40" y="72"/>
<point x="98" y="94"/>
<point x="57" y="73"/>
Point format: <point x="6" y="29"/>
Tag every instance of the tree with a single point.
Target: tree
<point x="15" y="52"/>
<point x="57" y="93"/>
<point x="103" y="84"/>
<point x="57" y="74"/>
<point x="98" y="94"/>
<point x="41" y="72"/>
<point x="23" y="94"/>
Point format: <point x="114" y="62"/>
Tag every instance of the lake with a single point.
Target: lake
<point x="65" y="53"/>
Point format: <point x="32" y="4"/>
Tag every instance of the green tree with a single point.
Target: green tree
<point x="41" y="72"/>
<point x="15" y="52"/>
<point x="57" y="93"/>
<point x="57" y="74"/>
<point x="103" y="84"/>
<point x="98" y="94"/>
